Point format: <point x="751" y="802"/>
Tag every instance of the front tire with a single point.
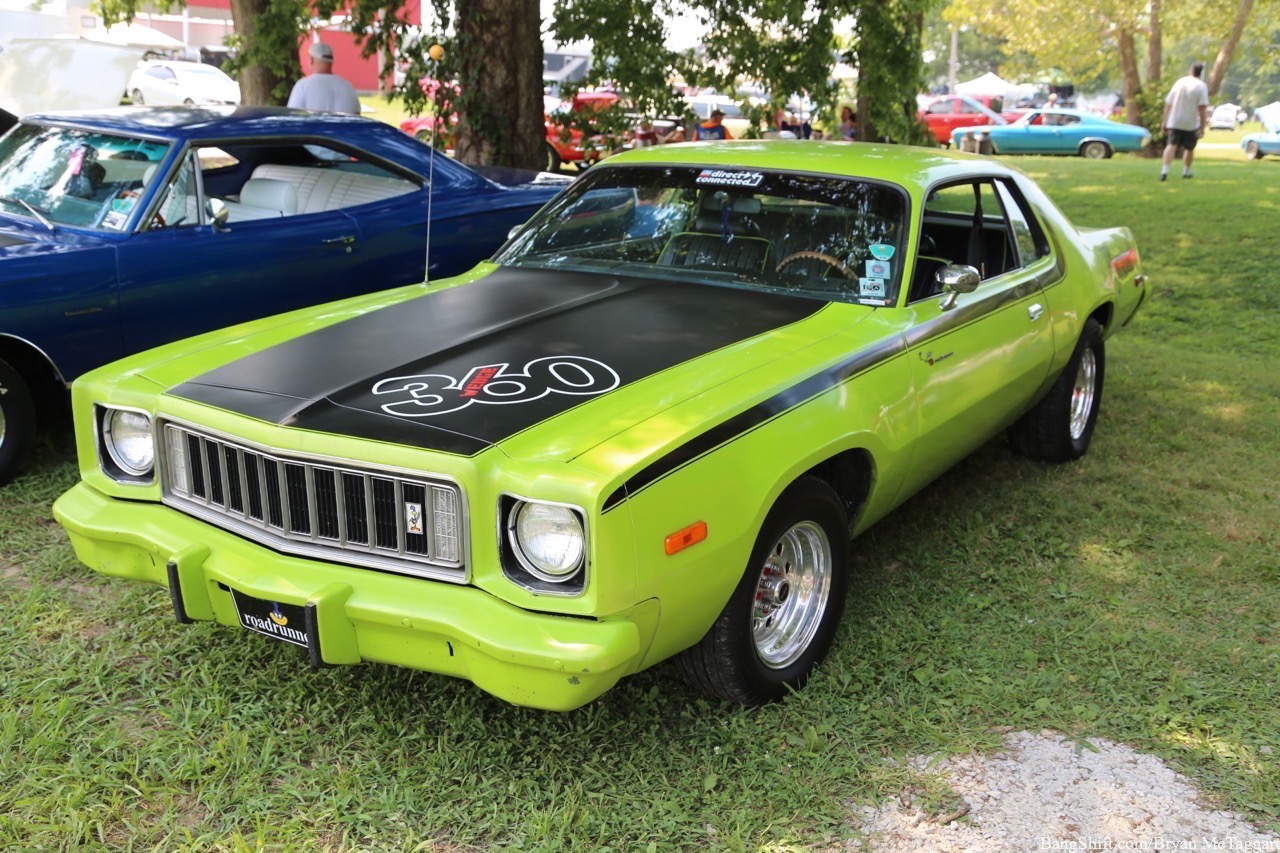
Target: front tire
<point x="1095" y="150"/>
<point x="783" y="614"/>
<point x="1061" y="425"/>
<point x="1253" y="151"/>
<point x="136" y="97"/>
<point x="17" y="421"/>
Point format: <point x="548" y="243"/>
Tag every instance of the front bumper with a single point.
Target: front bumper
<point x="535" y="659"/>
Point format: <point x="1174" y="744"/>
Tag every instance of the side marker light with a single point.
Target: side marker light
<point x="681" y="539"/>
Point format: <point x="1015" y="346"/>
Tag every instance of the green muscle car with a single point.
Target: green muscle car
<point x="648" y="428"/>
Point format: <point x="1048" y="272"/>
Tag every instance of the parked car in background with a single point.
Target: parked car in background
<point x="647" y="429"/>
<point x="1224" y="117"/>
<point x="945" y="114"/>
<point x="169" y="83"/>
<point x="703" y="105"/>
<point x="124" y="229"/>
<point x="1060" y="132"/>
<point x="564" y="144"/>
<point x="1258" y="145"/>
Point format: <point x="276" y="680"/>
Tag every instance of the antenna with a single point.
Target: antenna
<point x="436" y="52"/>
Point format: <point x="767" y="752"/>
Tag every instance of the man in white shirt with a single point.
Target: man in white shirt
<point x="1184" y="119"/>
<point x="322" y="90"/>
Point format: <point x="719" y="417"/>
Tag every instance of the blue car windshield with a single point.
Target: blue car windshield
<point x="68" y="176"/>
<point x="837" y="239"/>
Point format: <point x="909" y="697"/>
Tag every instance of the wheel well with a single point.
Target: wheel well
<point x="47" y="388"/>
<point x="1103" y="314"/>
<point x="849" y="473"/>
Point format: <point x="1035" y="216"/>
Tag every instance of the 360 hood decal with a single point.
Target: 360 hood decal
<point x="461" y="369"/>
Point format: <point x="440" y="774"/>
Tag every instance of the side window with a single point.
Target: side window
<point x="1027" y="235"/>
<point x="966" y="107"/>
<point x="276" y="181"/>
<point x="179" y="205"/>
<point x="940" y="107"/>
<point x="963" y="224"/>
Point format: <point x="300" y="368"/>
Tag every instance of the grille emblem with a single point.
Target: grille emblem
<point x="413" y="517"/>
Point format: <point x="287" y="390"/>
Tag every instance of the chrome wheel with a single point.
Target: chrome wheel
<point x="1" y="427"/>
<point x="792" y="594"/>
<point x="1082" y="393"/>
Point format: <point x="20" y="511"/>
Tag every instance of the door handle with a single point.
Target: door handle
<point x="1035" y="311"/>
<point x="345" y="241"/>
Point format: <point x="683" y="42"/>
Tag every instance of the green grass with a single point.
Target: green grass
<point x="1132" y="595"/>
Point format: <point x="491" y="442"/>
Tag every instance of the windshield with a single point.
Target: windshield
<point x="65" y="176"/>
<point x="837" y="239"/>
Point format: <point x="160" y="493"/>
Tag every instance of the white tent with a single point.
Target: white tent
<point x="135" y="35"/>
<point x="39" y="74"/>
<point x="987" y="84"/>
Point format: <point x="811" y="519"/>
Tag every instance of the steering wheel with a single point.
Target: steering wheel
<point x="818" y="256"/>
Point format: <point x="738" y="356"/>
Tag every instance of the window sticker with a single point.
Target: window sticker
<point x="115" y="220"/>
<point x="879" y="269"/>
<point x="724" y="178"/>
<point x="871" y="288"/>
<point x="882" y="251"/>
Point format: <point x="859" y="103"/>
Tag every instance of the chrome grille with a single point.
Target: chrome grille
<point x="323" y="509"/>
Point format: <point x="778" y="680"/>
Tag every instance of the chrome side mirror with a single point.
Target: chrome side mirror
<point x="515" y="229"/>
<point x="956" y="279"/>
<point x="218" y="213"/>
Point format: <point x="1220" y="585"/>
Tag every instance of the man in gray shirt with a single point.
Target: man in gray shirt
<point x="1184" y="119"/>
<point x="323" y="90"/>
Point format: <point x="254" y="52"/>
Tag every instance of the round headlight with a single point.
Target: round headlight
<point x="548" y="539"/>
<point x="128" y="439"/>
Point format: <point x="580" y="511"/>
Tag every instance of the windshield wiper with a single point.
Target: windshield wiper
<point x="32" y="209"/>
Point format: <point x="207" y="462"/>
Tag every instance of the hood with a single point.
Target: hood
<point x="464" y="369"/>
<point x="1269" y="116"/>
<point x="523" y="178"/>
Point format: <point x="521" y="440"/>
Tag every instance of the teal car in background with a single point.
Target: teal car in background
<point x="1258" y="145"/>
<point x="1060" y="131"/>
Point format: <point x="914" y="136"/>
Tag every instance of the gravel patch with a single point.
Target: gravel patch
<point x="1045" y="792"/>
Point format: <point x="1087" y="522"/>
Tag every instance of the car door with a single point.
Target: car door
<point x="180" y="274"/>
<point x="979" y="363"/>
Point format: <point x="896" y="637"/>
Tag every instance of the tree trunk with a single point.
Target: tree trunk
<point x="500" y="116"/>
<point x="1131" y="82"/>
<point x="1220" y="65"/>
<point x="258" y="82"/>
<point x="1155" y="44"/>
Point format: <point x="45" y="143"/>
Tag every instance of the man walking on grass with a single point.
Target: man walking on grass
<point x="1184" y="119"/>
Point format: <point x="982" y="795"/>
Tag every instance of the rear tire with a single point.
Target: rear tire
<point x="784" y="612"/>
<point x="553" y="157"/>
<point x="1060" y="426"/>
<point x="17" y="421"/>
<point x="1095" y="150"/>
<point x="136" y="97"/>
<point x="1253" y="151"/>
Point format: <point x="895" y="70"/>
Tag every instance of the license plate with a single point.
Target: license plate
<point x="287" y="622"/>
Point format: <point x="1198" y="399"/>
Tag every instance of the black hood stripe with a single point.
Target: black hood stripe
<point x="754" y="417"/>
<point x="462" y="369"/>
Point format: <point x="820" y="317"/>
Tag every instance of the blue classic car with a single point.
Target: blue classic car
<point x="1059" y="131"/>
<point x="124" y="229"/>
<point x="1258" y="145"/>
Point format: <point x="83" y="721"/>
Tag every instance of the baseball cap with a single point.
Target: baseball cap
<point x="320" y="50"/>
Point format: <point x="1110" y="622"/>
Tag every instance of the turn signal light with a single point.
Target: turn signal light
<point x="681" y="539"/>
